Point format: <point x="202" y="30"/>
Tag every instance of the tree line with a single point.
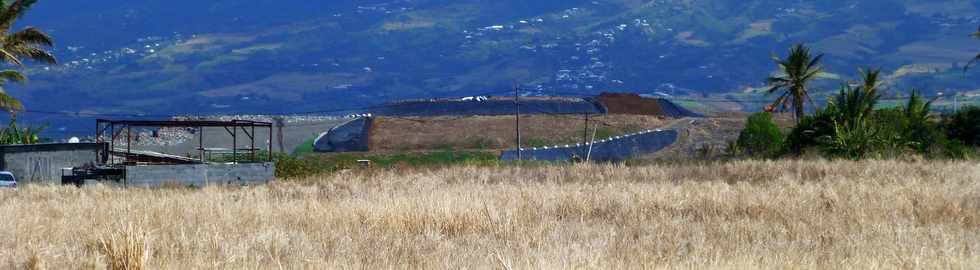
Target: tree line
<point x="851" y="125"/>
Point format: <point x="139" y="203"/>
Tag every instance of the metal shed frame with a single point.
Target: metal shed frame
<point x="115" y="128"/>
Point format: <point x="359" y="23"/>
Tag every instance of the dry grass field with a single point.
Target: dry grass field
<point x="742" y="215"/>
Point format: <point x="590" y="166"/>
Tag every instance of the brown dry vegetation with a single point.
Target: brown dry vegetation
<point x="746" y="214"/>
<point x="494" y="132"/>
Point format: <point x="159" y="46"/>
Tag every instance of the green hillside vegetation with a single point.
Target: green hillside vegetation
<point x="459" y="48"/>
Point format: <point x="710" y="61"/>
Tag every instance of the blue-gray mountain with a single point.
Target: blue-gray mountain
<point x="235" y="56"/>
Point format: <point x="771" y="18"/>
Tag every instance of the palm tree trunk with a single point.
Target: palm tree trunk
<point x="798" y="105"/>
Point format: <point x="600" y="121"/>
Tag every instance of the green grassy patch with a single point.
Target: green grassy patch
<point x="304" y="149"/>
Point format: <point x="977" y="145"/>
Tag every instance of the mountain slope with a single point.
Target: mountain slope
<point x="232" y="56"/>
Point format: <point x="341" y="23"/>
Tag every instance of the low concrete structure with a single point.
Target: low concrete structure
<point x="42" y="163"/>
<point x="199" y="175"/>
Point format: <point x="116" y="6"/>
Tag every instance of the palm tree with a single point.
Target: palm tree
<point x="869" y="86"/>
<point x="917" y="109"/>
<point x="870" y="80"/>
<point x="854" y="135"/>
<point x="27" y="44"/>
<point x="797" y="70"/>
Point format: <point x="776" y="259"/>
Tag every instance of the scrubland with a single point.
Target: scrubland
<point x="742" y="214"/>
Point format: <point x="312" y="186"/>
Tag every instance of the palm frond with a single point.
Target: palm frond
<point x="32" y="53"/>
<point x="13" y="12"/>
<point x="917" y="109"/>
<point x="12" y="76"/>
<point x="809" y="99"/>
<point x="974" y="61"/>
<point x="812" y="74"/>
<point x="870" y="79"/>
<point x="779" y="104"/>
<point x="976" y="58"/>
<point x="815" y="63"/>
<point x="7" y="56"/>
<point x="30" y="36"/>
<point x="9" y="103"/>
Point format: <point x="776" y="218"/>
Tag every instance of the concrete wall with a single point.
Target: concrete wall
<point x="200" y="175"/>
<point x="42" y="163"/>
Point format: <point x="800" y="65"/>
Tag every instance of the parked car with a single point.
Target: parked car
<point x="7" y="180"/>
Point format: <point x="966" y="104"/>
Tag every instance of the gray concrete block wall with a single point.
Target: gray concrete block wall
<point x="241" y="174"/>
<point x="42" y="164"/>
<point x="199" y="175"/>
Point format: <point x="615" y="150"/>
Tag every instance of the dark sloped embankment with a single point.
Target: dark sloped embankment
<point x="353" y="136"/>
<point x="611" y="150"/>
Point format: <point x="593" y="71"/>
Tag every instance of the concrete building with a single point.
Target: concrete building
<point x="43" y="163"/>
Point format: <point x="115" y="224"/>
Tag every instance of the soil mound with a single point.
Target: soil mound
<point x="630" y="103"/>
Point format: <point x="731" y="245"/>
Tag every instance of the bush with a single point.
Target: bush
<point x="806" y="135"/>
<point x="13" y="134"/>
<point x="761" y="137"/>
<point x="857" y="140"/>
<point x="964" y="126"/>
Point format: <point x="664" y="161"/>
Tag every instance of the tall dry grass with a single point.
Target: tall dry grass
<point x="778" y="215"/>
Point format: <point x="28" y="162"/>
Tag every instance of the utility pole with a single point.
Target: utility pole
<point x="280" y="123"/>
<point x="517" y="121"/>
<point x="956" y="103"/>
<point x="585" y="131"/>
<point x="588" y="156"/>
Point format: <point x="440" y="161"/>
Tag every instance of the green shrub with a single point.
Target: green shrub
<point x="806" y="135"/>
<point x="894" y="136"/>
<point x="305" y="148"/>
<point x="955" y="149"/>
<point x="964" y="126"/>
<point x="855" y="140"/>
<point x="761" y="137"/>
<point x="480" y="143"/>
<point x="13" y="134"/>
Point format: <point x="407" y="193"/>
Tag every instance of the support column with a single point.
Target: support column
<point x="234" y="145"/>
<point x="200" y="143"/>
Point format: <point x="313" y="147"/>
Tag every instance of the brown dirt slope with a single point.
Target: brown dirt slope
<point x="618" y="103"/>
<point x="496" y="132"/>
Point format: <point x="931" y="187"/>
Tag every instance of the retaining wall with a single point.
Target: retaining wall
<point x="616" y="149"/>
<point x="42" y="163"/>
<point x="353" y="136"/>
<point x="200" y="175"/>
